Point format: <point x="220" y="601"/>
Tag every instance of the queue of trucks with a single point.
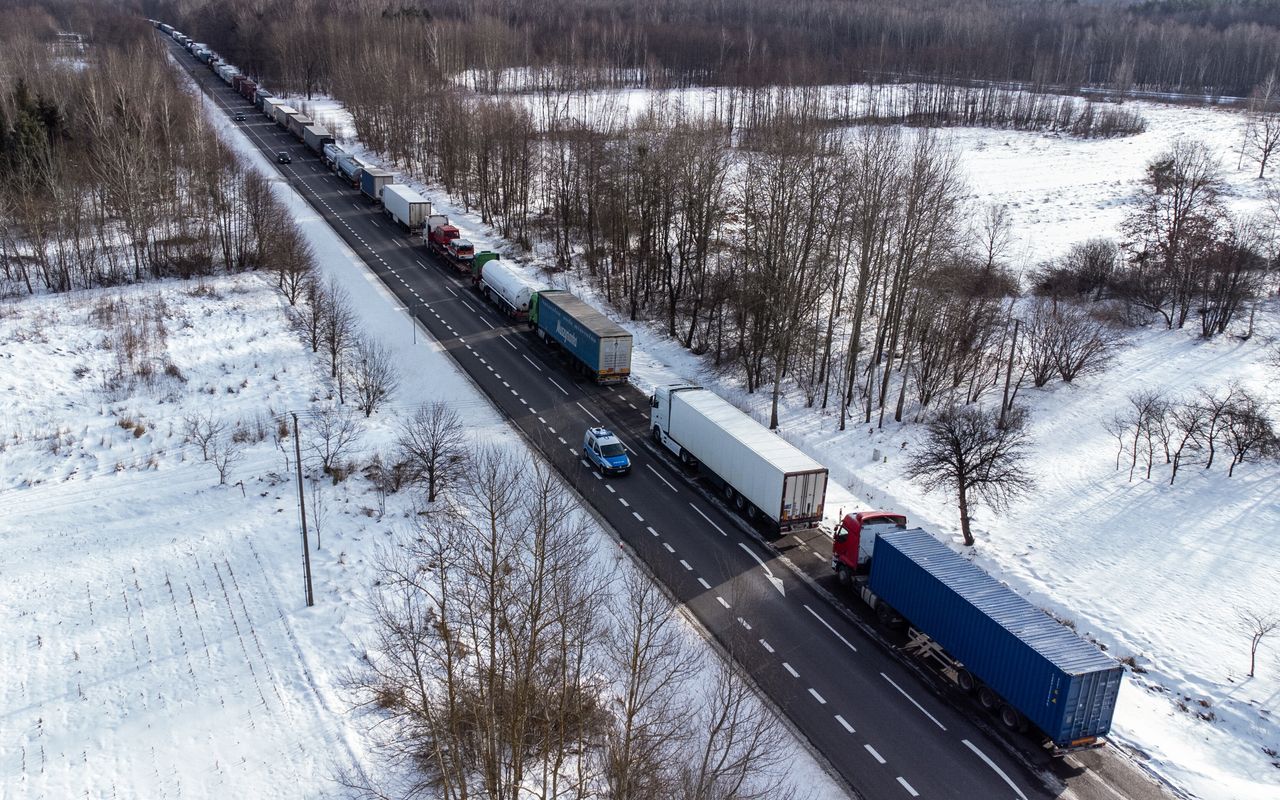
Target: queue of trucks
<point x="1018" y="662"/>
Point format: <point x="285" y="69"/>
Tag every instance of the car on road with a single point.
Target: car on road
<point x="606" y="451"/>
<point x="240" y="117"/>
<point x="284" y="158"/>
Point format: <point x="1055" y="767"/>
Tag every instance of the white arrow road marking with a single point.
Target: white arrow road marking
<point x="768" y="573"/>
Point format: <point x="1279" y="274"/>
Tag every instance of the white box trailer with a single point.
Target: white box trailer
<point x="405" y="206"/>
<point x="505" y="288"/>
<point x="760" y="473"/>
<point x="282" y="114"/>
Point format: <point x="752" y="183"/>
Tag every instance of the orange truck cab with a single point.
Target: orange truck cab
<point x="854" y="540"/>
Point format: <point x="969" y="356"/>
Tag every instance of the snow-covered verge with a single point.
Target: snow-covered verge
<point x="155" y="639"/>
<point x="1150" y="571"/>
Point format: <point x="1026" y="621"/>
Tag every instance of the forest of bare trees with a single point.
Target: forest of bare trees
<point x="109" y="172"/>
<point x="510" y="660"/>
<point x="1198" y="47"/>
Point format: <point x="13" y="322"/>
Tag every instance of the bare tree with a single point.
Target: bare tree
<point x="1258" y="624"/>
<point x="651" y="713"/>
<point x="332" y="435"/>
<point x="1184" y="431"/>
<point x="338" y="328"/>
<point x="1084" y="345"/>
<point x="1249" y="433"/>
<point x="966" y="452"/>
<point x="738" y="753"/>
<point x="372" y="374"/>
<point x="433" y="443"/>
<point x="203" y="430"/>
<point x="225" y="451"/>
<point x="1262" y="124"/>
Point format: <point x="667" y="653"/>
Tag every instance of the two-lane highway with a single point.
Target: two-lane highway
<point x="881" y="728"/>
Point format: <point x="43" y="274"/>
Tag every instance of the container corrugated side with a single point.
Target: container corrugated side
<point x="1061" y="683"/>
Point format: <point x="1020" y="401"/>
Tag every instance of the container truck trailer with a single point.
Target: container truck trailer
<point x="405" y="206"/>
<point x="598" y="346"/>
<point x="504" y="287"/>
<point x="373" y="180"/>
<point x="315" y="137"/>
<point x="1022" y="664"/>
<point x="269" y="107"/>
<point x="298" y="122"/>
<point x="761" y="474"/>
<point x="282" y="114"/>
<point x="259" y="96"/>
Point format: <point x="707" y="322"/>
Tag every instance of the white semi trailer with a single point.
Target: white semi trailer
<point x="405" y="206"/>
<point x="761" y="474"/>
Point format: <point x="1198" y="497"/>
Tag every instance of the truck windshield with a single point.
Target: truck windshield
<point x="611" y="450"/>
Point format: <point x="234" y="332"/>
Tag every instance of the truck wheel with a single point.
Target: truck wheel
<point x="657" y="435"/>
<point x="987" y="698"/>
<point x="1011" y="719"/>
<point x="740" y="503"/>
<point x="842" y="575"/>
<point x="966" y="681"/>
<point x="752" y="512"/>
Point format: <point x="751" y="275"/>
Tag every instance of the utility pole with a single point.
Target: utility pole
<point x="302" y="511"/>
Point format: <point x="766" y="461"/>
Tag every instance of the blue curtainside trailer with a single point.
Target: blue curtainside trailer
<point x="600" y="346"/>
<point x="1063" y="685"/>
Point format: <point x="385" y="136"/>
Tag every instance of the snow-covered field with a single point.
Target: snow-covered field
<point x="154" y="637"/>
<point x="1150" y="571"/>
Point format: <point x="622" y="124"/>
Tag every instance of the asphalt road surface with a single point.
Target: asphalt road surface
<point x="888" y="728"/>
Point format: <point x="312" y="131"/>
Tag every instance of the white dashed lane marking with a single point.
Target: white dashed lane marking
<point x="790" y="669"/>
<point x="844" y="724"/>
<point x="874" y="754"/>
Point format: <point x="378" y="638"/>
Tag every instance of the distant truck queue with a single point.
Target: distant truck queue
<point x="1018" y="662"/>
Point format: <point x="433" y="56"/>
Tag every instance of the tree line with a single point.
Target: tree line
<point x="1199" y="48"/>
<point x="109" y="171"/>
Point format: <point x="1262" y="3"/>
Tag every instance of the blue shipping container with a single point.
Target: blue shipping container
<point x="1064" y="685"/>
<point x="602" y="345"/>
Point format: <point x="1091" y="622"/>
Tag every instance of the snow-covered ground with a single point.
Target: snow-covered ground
<point x="1150" y="571"/>
<point x="154" y="638"/>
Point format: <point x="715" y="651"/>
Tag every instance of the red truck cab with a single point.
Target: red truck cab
<point x="854" y="539"/>
<point x="442" y="234"/>
<point x="461" y="249"/>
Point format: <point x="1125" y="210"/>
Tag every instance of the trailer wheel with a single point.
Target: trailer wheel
<point x="740" y="503"/>
<point x="1011" y="719"/>
<point x="966" y="681"/>
<point x="987" y="698"/>
<point x="752" y="512"/>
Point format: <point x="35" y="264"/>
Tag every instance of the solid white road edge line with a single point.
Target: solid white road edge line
<point x="708" y="519"/>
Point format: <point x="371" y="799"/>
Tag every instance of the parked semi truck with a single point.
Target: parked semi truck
<point x="761" y="474"/>
<point x="503" y="286"/>
<point x="373" y="180"/>
<point x="315" y="137"/>
<point x="598" y="346"/>
<point x="330" y="155"/>
<point x="282" y="114"/>
<point x="1022" y="664"/>
<point x="406" y="206"/>
<point x="298" y="122"/>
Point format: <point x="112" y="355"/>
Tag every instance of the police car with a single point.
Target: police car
<point x="605" y="451"/>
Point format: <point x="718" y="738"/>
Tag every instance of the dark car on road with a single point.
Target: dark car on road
<point x="284" y="158"/>
<point x="240" y="117"/>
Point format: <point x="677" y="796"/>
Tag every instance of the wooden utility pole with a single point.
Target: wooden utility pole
<point x="302" y="511"/>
